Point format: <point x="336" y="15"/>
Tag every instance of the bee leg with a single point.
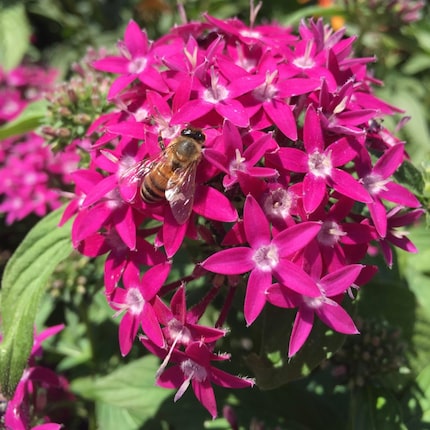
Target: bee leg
<point x="161" y="143"/>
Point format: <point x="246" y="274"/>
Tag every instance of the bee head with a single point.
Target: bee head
<point x="194" y="133"/>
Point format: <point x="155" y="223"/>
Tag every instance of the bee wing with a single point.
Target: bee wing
<point x="131" y="178"/>
<point x="180" y="192"/>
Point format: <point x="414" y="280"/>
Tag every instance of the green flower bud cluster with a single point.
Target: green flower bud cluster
<point x="78" y="274"/>
<point x="365" y="359"/>
<point x="74" y="104"/>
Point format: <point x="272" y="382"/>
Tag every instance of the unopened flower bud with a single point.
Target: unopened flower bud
<point x="82" y="118"/>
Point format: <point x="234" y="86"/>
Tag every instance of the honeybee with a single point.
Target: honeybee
<point x="172" y="175"/>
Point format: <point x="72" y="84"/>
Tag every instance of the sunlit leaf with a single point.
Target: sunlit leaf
<point x="410" y="176"/>
<point x="295" y="17"/>
<point x="127" y="397"/>
<point x="29" y="119"/>
<point x="23" y="285"/>
<point x="14" y="34"/>
<point x="416" y="64"/>
<point x="375" y="408"/>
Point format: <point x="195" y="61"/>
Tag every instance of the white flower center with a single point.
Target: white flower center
<point x="267" y="90"/>
<point x="214" y="95"/>
<point x="305" y="61"/>
<point x="374" y="183"/>
<point x="113" y="199"/>
<point x="314" y="302"/>
<point x="250" y="33"/>
<point x="135" y="301"/>
<point x="266" y="257"/>
<point x="237" y="164"/>
<point x="247" y="63"/>
<point x="137" y="65"/>
<point x="330" y="233"/>
<point x="29" y="178"/>
<point x="192" y="370"/>
<point x="278" y="203"/>
<point x="179" y="332"/>
<point x="216" y="92"/>
<point x="319" y="164"/>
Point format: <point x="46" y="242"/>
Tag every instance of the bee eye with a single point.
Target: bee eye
<point x="193" y="134"/>
<point x="187" y="132"/>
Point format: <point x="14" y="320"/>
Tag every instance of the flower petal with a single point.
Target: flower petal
<point x="379" y="217"/>
<point x="314" y="192"/>
<point x="135" y="39"/>
<point x="396" y="193"/>
<point x="99" y="191"/>
<point x="296" y="237"/>
<point x="172" y="233"/>
<point x="205" y="395"/>
<point x="341" y="152"/>
<point x="150" y="325"/>
<point x="127" y="332"/>
<point x="224" y="379"/>
<point x="293" y="159"/>
<point x="172" y="377"/>
<point x="390" y="161"/>
<point x="153" y="280"/>
<point x="345" y="184"/>
<point x="280" y="113"/>
<point x="212" y="204"/>
<point x="340" y="280"/>
<point x="233" y="261"/>
<point x="337" y="318"/>
<point x="257" y="228"/>
<point x="312" y="133"/>
<point x="191" y="111"/>
<point x="282" y="297"/>
<point x="234" y="111"/>
<point x="296" y="278"/>
<point x="255" y="297"/>
<point x="125" y="225"/>
<point x="301" y="329"/>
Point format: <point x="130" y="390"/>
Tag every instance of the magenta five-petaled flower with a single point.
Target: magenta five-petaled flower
<point x="320" y="162"/>
<point x="287" y="200"/>
<point x="136" y="301"/>
<point x="266" y="257"/>
<point x="194" y="367"/>
<point x="36" y="385"/>
<point x="325" y="306"/>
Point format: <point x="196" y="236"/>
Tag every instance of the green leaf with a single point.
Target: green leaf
<point x="375" y="408"/>
<point x="127" y="397"/>
<point x="23" y="285"/>
<point x="411" y="177"/>
<point x="415" y="269"/>
<point x="423" y="381"/>
<point x="295" y="17"/>
<point x="14" y="34"/>
<point x="390" y="301"/>
<point x="29" y="119"/>
<point x="422" y="35"/>
<point x="405" y="95"/>
<point x="419" y="62"/>
<point x="272" y="368"/>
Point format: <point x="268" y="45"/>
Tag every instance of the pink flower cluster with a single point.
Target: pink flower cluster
<point x="31" y="174"/>
<point x="294" y="185"/>
<point x="20" y="86"/>
<point x="37" y="385"/>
